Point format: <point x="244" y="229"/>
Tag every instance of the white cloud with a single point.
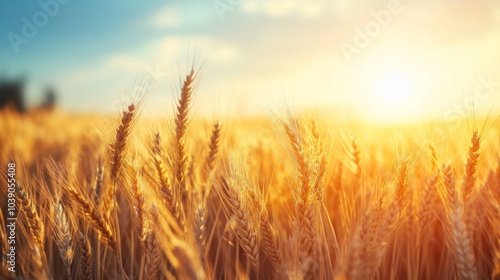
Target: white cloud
<point x="282" y="8"/>
<point x="176" y="16"/>
<point x="169" y="17"/>
<point x="179" y="47"/>
<point x="311" y="9"/>
<point x="162" y="56"/>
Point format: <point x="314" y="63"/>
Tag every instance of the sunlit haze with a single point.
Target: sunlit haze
<point x="379" y="61"/>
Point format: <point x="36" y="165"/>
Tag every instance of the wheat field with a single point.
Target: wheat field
<point x="296" y="195"/>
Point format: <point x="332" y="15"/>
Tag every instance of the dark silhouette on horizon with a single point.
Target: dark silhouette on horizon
<point x="12" y="96"/>
<point x="49" y="101"/>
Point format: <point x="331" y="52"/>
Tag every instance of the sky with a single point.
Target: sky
<point x="376" y="60"/>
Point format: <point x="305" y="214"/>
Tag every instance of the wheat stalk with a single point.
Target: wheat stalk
<point x="190" y="268"/>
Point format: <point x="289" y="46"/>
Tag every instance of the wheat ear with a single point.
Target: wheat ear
<point x="85" y="261"/>
<point x="386" y="233"/>
<point x="469" y="184"/>
<point x="92" y="216"/>
<point x="119" y="145"/>
<point x="402" y="185"/>
<point x="35" y="224"/>
<point x="356" y="159"/>
<point x="201" y="229"/>
<point x="64" y="238"/>
<point x="164" y="183"/>
<point x="152" y="247"/>
<point x="428" y="196"/>
<point x="471" y="166"/>
<point x="117" y="149"/>
<point x="99" y="177"/>
<point x="305" y="219"/>
<point x="213" y="147"/>
<point x="359" y="251"/>
<point x="269" y="242"/>
<point x="319" y="184"/>
<point x="240" y="220"/>
<point x="139" y="206"/>
<point x="181" y="121"/>
<point x="460" y="243"/>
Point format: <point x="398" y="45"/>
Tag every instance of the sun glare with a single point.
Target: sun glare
<point x="392" y="94"/>
<point x="394" y="90"/>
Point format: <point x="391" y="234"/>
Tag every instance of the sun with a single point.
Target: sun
<point x="394" y="90"/>
<point x="392" y="94"/>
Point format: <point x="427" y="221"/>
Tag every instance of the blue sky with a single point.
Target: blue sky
<point x="261" y="52"/>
